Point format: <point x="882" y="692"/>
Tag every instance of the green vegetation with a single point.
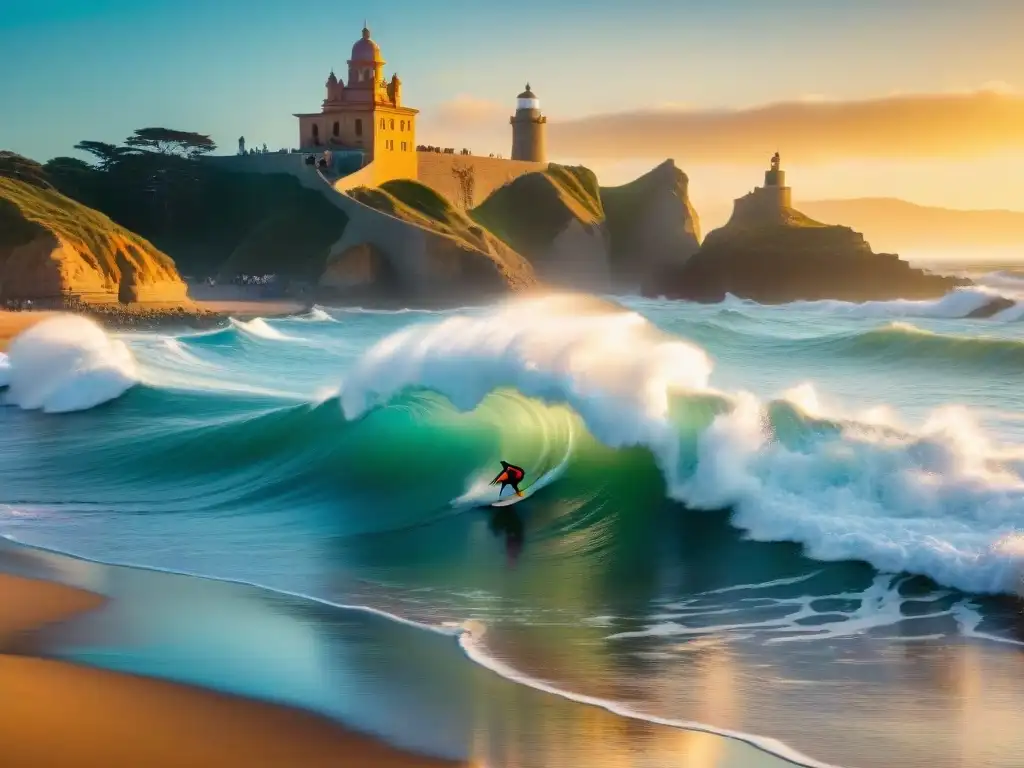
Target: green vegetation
<point x="294" y="240"/>
<point x="28" y="209"/>
<point x="420" y="205"/>
<point x="212" y="221"/>
<point x="530" y="211"/>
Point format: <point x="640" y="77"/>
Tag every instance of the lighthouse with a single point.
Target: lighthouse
<point x="529" y="128"/>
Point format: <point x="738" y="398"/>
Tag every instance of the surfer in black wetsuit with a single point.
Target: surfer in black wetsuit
<point x="510" y="475"/>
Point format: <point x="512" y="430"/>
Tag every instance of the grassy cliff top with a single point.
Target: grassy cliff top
<point x="422" y="206"/>
<point x="532" y="209"/>
<point x="28" y="210"/>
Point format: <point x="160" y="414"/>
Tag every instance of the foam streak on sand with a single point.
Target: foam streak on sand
<point x="471" y="641"/>
<point x="941" y="500"/>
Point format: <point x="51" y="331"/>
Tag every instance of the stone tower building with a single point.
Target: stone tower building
<point x="364" y="116"/>
<point x="529" y="129"/>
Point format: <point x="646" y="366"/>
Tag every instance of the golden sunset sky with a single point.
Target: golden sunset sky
<point x="917" y="99"/>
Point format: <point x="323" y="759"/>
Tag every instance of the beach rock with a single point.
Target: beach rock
<point x="993" y="307"/>
<point x="407" y="238"/>
<point x="554" y="218"/>
<point x="772" y="254"/>
<point x="651" y="222"/>
<point x="52" y="247"/>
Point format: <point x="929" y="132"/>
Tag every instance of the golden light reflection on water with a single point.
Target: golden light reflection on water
<point x="596" y="738"/>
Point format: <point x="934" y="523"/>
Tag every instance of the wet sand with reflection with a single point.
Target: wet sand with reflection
<point x="167" y="638"/>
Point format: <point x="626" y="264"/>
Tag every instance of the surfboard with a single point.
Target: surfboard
<point x="509" y="500"/>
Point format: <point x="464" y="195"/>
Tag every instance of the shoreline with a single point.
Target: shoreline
<point x="194" y="315"/>
<point x="99" y="713"/>
<point x="553" y="727"/>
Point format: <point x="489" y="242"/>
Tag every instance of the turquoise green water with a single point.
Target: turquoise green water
<point x="739" y="516"/>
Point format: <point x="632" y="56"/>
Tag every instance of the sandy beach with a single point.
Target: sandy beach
<point x="108" y="718"/>
<point x="13" y="323"/>
<point x="193" y="314"/>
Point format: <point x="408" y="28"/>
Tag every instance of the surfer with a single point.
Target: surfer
<point x="510" y="475"/>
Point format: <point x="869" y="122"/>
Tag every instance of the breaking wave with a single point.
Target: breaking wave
<point x="67" y="363"/>
<point x="554" y="379"/>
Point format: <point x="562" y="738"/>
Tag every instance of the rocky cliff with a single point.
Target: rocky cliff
<point x="405" y="241"/>
<point x="651" y="222"/>
<point x="51" y="246"/>
<point x="555" y="219"/>
<point x="582" y="235"/>
<point x="772" y="253"/>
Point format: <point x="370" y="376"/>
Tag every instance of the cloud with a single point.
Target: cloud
<point x="807" y="131"/>
<point x="470" y="112"/>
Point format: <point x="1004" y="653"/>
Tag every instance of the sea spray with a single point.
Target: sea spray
<point x="5" y="370"/>
<point x="934" y="501"/>
<point x="260" y="328"/>
<point x="67" y="363"/>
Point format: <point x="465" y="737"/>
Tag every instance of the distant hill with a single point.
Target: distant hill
<point x="890" y="224"/>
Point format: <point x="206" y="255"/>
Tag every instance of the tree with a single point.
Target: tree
<point x="68" y="165"/>
<point x="15" y="166"/>
<point x="106" y="154"/>
<point x="167" y="141"/>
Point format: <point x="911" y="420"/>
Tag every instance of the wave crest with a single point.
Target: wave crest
<point x="613" y="367"/>
<point x="936" y="501"/>
<point x="67" y="363"/>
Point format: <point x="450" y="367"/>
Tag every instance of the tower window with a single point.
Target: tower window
<point x="403" y="125"/>
<point x="359" y="126"/>
<point x="316" y="133"/>
<point x="392" y="125"/>
<point x="403" y="146"/>
<point x="337" y="128"/>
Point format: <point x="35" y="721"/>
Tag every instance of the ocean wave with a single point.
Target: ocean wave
<point x="67" y="363"/>
<point x="958" y="303"/>
<point x="940" y="501"/>
<point x="5" y="370"/>
<point x="542" y="382"/>
<point x="1013" y="279"/>
<point x="901" y="341"/>
<point x="316" y="315"/>
<point x="260" y="329"/>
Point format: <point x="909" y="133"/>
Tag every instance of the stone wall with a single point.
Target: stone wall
<point x="764" y="203"/>
<point x="487" y="173"/>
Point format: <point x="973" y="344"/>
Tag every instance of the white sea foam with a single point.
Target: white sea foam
<point x="67" y="363"/>
<point x="471" y="640"/>
<point x="261" y="329"/>
<point x="5" y="370"/>
<point x="955" y="304"/>
<point x="939" y="500"/>
<point x="613" y="367"/>
<point x="319" y="315"/>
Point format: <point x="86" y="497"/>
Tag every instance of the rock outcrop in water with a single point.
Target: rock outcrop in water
<point x="576" y="233"/>
<point x="53" y="247"/>
<point x="771" y="253"/>
<point x="652" y="224"/>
